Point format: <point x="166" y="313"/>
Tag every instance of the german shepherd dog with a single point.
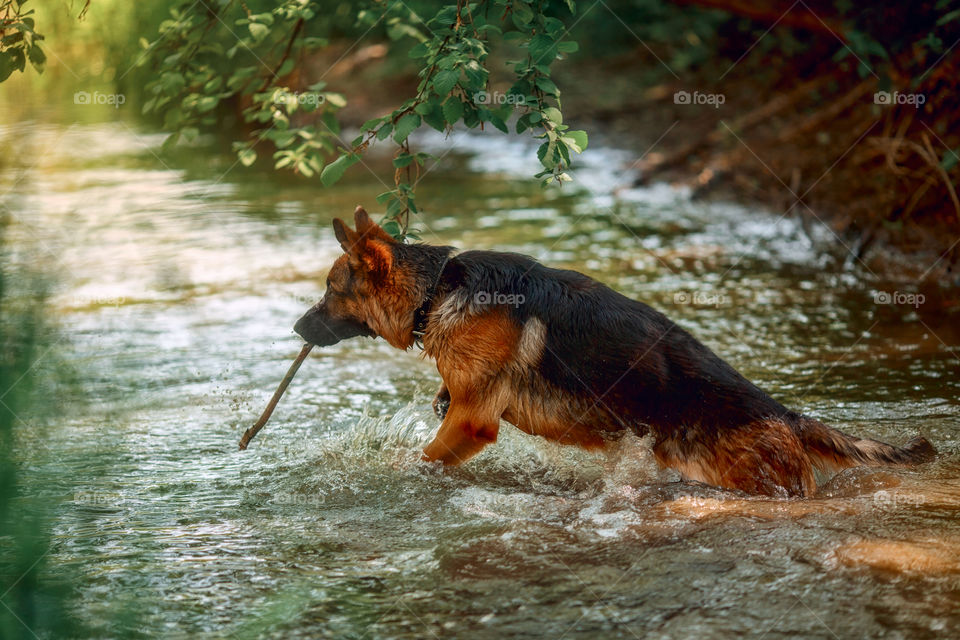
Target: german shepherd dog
<point x="562" y="356"/>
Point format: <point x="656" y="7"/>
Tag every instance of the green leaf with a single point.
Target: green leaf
<point x="331" y="122"/>
<point x="452" y="110"/>
<point x="258" y="31"/>
<point x="335" y="170"/>
<point x="170" y="142"/>
<point x="6" y="65"/>
<point x="522" y="14"/>
<point x="213" y="84"/>
<point x="542" y="155"/>
<point x="286" y="67"/>
<point x="419" y="51"/>
<point x="445" y="81"/>
<point x="392" y="227"/>
<point x="265" y="18"/>
<point x="402" y="160"/>
<point x="384" y="131"/>
<point x="207" y="103"/>
<point x="37" y="58"/>
<point x="541" y="47"/>
<point x="523" y="123"/>
<point x="172" y="82"/>
<point x="370" y="124"/>
<point x="576" y="140"/>
<point x="434" y="118"/>
<point x="281" y="138"/>
<point x="304" y="168"/>
<point x="499" y="123"/>
<point x="405" y="127"/>
<point x="476" y="75"/>
<point x="247" y="157"/>
<point x="546" y="84"/>
<point x="395" y="208"/>
<point x="553" y="115"/>
<point x="949" y="17"/>
<point x="240" y="77"/>
<point x="950" y="159"/>
<point x="335" y="99"/>
<point x="568" y="46"/>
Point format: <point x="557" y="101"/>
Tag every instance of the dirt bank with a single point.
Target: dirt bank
<point x="818" y="146"/>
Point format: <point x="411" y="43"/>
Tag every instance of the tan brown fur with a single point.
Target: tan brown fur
<point x="765" y="457"/>
<point x="384" y="296"/>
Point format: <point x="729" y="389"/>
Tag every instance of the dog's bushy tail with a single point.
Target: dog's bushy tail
<point x="832" y="450"/>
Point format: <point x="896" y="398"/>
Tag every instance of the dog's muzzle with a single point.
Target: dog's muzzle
<point x="318" y="328"/>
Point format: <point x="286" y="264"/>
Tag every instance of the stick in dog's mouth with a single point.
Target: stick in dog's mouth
<point x="292" y="371"/>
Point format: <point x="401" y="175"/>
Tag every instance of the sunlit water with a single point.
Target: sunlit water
<point x="179" y="279"/>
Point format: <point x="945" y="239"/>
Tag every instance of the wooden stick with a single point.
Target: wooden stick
<point x="292" y="371"/>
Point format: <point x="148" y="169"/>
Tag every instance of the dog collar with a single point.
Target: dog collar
<point x="423" y="311"/>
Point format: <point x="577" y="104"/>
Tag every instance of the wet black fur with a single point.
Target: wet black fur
<point x="648" y="371"/>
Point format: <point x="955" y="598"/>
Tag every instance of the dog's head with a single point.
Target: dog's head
<point x="364" y="289"/>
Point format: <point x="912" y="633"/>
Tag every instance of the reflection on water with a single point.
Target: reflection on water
<point x="180" y="279"/>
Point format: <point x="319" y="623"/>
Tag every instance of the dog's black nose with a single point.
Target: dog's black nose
<point x="312" y="328"/>
<point x="301" y="326"/>
<point x="318" y="328"/>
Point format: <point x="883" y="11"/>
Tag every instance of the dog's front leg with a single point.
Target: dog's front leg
<point x="467" y="428"/>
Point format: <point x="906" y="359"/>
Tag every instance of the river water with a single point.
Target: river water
<point x="179" y="278"/>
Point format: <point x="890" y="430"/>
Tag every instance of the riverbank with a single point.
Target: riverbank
<point x="818" y="148"/>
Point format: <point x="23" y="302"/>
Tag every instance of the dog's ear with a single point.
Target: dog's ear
<point x="368" y="228"/>
<point x="369" y="248"/>
<point x="348" y="238"/>
<point x="377" y="258"/>
<point x="361" y="220"/>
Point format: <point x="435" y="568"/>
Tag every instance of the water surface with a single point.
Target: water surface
<point x="179" y="279"/>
